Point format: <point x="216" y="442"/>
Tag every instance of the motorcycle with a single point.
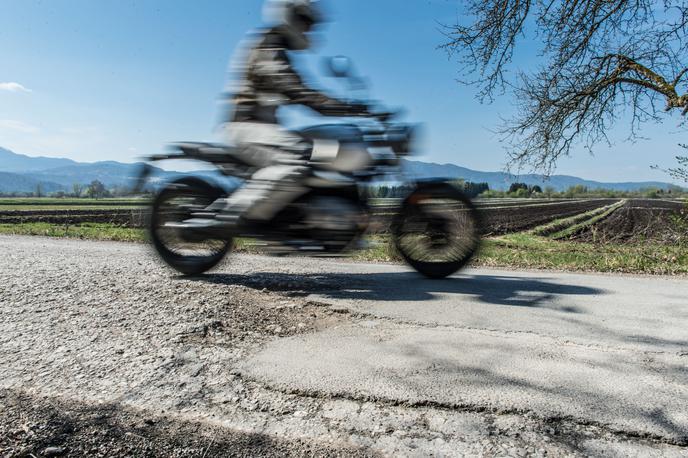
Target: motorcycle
<point x="434" y="227"/>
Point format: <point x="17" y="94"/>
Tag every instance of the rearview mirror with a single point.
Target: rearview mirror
<point x="338" y="66"/>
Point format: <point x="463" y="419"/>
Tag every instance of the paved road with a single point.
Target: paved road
<point x="605" y="355"/>
<point x="597" y="348"/>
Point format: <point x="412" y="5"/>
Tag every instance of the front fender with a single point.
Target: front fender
<point x="439" y="187"/>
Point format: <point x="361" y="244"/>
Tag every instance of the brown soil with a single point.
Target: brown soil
<point x="126" y="218"/>
<point x="515" y="219"/>
<point x="640" y="220"/>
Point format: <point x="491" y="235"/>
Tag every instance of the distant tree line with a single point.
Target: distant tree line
<point x="388" y="191"/>
<point x="471" y="189"/>
<point x="94" y="190"/>
<point x="97" y="190"/>
<point x="522" y="190"/>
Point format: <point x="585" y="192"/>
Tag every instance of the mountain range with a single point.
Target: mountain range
<point x="501" y="181"/>
<point x="21" y="173"/>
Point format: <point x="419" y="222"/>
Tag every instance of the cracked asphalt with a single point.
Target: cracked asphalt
<point x="298" y="356"/>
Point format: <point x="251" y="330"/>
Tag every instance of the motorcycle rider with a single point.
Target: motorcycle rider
<point x="265" y="81"/>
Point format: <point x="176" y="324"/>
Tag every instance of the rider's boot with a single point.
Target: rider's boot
<point x="255" y="203"/>
<point x="211" y="210"/>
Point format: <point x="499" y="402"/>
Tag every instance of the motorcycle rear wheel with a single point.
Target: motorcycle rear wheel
<point x="437" y="231"/>
<point x="181" y="249"/>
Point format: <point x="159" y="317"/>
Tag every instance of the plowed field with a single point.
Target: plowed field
<point x="637" y="220"/>
<point x="126" y="218"/>
<point x="502" y="219"/>
<point x="640" y="220"/>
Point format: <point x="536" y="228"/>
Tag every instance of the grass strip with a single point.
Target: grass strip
<point x="561" y="224"/>
<point x="532" y="252"/>
<point x="528" y="251"/>
<point x="576" y="228"/>
<point x="91" y="231"/>
<point x="521" y="250"/>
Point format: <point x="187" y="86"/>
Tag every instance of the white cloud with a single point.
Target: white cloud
<point x="18" y="126"/>
<point x="13" y="87"/>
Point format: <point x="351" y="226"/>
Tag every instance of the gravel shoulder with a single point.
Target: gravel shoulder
<point x="105" y="352"/>
<point x="38" y="426"/>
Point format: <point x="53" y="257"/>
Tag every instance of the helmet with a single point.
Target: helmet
<point x="296" y="17"/>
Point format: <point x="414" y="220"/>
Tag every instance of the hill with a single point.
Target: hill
<point x="20" y="163"/>
<point x="110" y="173"/>
<point x="15" y="182"/>
<point x="23" y="173"/>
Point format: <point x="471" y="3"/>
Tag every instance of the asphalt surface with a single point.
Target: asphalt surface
<point x="597" y="348"/>
<point x="353" y="356"/>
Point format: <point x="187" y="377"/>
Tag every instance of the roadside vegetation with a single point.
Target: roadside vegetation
<point x="530" y="251"/>
<point x="521" y="250"/>
<point x="648" y="236"/>
<point x="90" y="231"/>
<point x="534" y="252"/>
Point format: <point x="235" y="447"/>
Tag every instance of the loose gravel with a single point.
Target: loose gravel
<point x="34" y="426"/>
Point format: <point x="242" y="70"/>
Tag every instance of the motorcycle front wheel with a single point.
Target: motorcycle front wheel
<point x="182" y="249"/>
<point x="437" y="230"/>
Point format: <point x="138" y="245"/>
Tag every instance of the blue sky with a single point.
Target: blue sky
<point x="116" y="79"/>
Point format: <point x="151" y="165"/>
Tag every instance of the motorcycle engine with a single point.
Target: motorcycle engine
<point x="334" y="221"/>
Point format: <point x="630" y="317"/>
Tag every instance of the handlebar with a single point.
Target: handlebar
<point x="359" y="110"/>
<point x="384" y="116"/>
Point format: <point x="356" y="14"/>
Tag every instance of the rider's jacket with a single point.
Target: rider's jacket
<point x="265" y="79"/>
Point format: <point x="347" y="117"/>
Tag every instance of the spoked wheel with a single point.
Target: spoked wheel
<point x="184" y="250"/>
<point x="437" y="230"/>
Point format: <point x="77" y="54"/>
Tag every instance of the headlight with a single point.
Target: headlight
<point x="402" y="139"/>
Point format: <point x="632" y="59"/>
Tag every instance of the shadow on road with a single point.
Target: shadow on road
<point x="549" y="392"/>
<point x="408" y="286"/>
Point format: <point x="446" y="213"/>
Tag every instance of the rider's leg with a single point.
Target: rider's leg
<point x="268" y="191"/>
<point x="287" y="144"/>
<point x="282" y="156"/>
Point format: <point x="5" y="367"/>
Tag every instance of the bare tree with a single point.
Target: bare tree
<point x="681" y="171"/>
<point x="77" y="189"/>
<point x="600" y="59"/>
